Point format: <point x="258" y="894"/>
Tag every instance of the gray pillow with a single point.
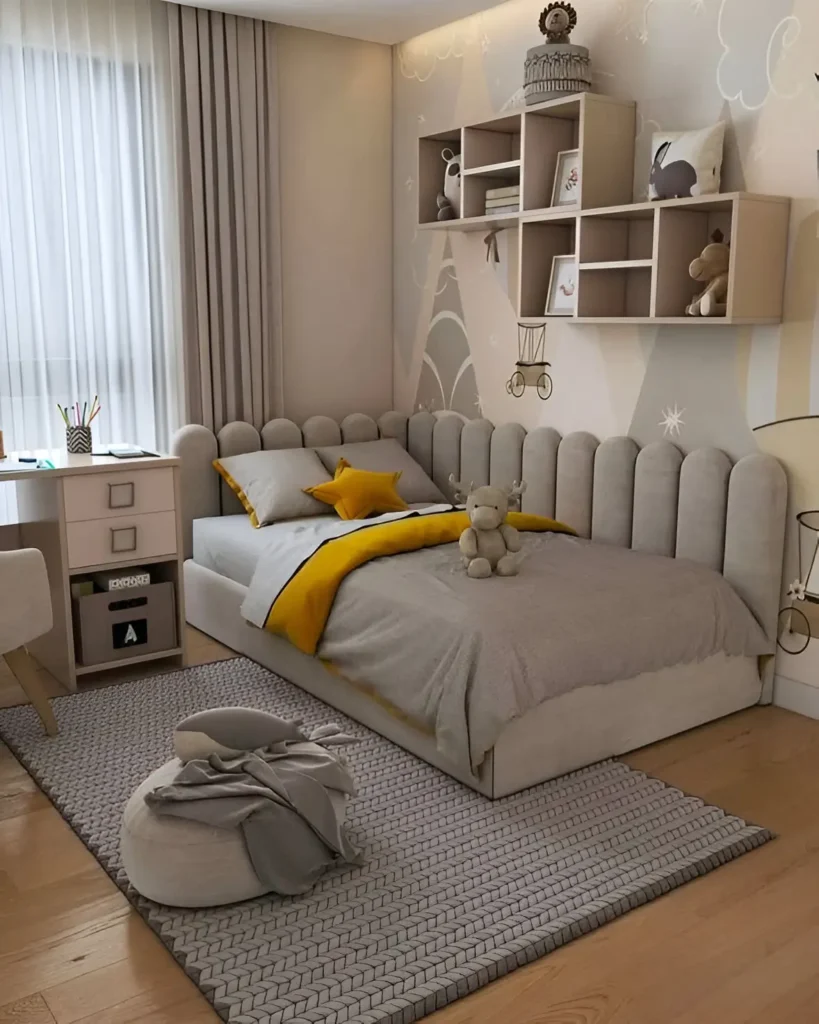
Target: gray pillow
<point x="385" y="456"/>
<point x="271" y="484"/>
<point x="229" y="731"/>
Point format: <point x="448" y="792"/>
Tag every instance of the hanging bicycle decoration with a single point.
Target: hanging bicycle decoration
<point x="794" y="632"/>
<point x="530" y="369"/>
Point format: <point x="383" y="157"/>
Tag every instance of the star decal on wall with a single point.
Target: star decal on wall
<point x="672" y="421"/>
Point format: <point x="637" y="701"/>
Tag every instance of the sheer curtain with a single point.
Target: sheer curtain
<point x="89" y="300"/>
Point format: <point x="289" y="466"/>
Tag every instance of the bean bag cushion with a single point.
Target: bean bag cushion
<point x="186" y="863"/>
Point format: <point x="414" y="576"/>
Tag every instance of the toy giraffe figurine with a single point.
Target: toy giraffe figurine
<point x="711" y="268"/>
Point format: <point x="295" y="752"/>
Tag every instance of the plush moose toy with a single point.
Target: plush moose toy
<point x="711" y="268"/>
<point x="489" y="544"/>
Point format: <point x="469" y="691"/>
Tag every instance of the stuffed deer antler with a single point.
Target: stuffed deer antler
<point x="461" y="491"/>
<point x="516" y="491"/>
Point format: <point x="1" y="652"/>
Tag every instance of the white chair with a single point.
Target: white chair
<point x="25" y="614"/>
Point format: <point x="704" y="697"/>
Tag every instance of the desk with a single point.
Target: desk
<point x="92" y="513"/>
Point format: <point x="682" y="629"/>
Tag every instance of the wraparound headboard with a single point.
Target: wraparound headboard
<point x="701" y="506"/>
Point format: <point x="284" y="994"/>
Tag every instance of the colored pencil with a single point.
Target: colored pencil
<point x="63" y="414"/>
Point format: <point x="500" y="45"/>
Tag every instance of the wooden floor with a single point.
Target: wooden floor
<point x="740" y="945"/>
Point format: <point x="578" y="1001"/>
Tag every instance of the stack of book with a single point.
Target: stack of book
<point x="503" y="200"/>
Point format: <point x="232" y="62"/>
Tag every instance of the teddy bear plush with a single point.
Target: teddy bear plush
<point x="711" y="269"/>
<point x="489" y="543"/>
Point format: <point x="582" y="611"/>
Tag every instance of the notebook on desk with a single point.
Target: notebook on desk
<point x="127" y="451"/>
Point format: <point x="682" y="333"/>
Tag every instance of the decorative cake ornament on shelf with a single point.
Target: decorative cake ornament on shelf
<point x="556" y="67"/>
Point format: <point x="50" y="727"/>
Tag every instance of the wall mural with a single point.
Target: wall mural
<point x="688" y="64"/>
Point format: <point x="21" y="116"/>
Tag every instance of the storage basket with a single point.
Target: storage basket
<point x="121" y="624"/>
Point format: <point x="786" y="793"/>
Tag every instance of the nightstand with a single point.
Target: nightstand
<point x="95" y="513"/>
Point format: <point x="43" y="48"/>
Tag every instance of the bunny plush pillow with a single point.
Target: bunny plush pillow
<point x="686" y="163"/>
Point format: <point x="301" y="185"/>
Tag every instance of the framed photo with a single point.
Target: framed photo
<point x="562" y="298"/>
<point x="566" y="190"/>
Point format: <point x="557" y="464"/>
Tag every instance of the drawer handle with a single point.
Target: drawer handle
<point x="121" y="495"/>
<point x="123" y="539"/>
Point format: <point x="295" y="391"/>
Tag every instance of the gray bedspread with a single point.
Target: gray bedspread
<point x="464" y="657"/>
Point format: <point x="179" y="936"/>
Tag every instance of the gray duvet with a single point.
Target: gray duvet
<point x="464" y="657"/>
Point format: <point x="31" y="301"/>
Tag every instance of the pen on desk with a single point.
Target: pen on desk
<point x="63" y="414"/>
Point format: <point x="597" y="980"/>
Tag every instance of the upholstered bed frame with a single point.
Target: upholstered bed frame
<point x="702" y="507"/>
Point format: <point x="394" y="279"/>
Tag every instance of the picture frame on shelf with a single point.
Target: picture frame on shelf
<point x="566" y="188"/>
<point x="562" y="296"/>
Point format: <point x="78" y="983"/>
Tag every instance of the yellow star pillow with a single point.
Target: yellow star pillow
<point x="358" y="493"/>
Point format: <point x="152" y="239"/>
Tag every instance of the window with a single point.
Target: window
<point x="88" y="292"/>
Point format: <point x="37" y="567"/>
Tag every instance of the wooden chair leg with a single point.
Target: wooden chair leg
<point x="23" y="670"/>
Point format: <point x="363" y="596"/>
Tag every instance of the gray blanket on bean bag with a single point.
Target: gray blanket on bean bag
<point x="278" y="796"/>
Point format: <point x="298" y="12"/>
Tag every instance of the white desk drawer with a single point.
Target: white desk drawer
<point x="103" y="495"/>
<point x="125" y="538"/>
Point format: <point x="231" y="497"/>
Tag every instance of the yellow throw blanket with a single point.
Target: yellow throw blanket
<point x="302" y="607"/>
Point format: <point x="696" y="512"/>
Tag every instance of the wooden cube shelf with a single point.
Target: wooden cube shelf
<point x="633" y="258"/>
<point x="540" y="242"/>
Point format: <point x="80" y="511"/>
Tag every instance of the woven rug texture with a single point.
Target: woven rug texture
<point x="455" y="890"/>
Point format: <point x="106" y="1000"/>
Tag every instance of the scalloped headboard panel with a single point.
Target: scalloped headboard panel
<point x="701" y="506"/>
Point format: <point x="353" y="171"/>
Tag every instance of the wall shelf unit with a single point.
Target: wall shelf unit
<point x="632" y="258"/>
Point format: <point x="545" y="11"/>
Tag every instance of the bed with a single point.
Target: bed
<point x="631" y="509"/>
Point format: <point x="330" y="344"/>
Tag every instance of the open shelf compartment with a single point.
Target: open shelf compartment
<point x="616" y="239"/>
<point x="491" y="160"/>
<point x="682" y="234"/>
<point x="614" y="292"/>
<point x="431" y="172"/>
<point x="603" y="131"/>
<point x="540" y="242"/>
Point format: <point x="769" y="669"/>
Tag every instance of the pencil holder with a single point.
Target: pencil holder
<point x="78" y="440"/>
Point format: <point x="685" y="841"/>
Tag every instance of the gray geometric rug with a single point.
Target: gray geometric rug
<point x="455" y="890"/>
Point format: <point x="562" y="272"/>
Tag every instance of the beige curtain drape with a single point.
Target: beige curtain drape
<point x="226" y="120"/>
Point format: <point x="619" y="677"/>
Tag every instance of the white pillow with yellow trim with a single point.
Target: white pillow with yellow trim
<point x="271" y="484"/>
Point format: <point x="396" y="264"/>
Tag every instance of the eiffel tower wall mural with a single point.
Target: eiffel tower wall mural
<point x="688" y="64"/>
<point x="447" y="379"/>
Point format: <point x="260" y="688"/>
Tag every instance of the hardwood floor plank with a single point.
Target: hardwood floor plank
<point x="30" y="844"/>
<point x="193" y="1010"/>
<point x="104" y="942"/>
<point x="150" y="982"/>
<point x="57" y="911"/>
<point x="31" y="1010"/>
<point x="25" y="801"/>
